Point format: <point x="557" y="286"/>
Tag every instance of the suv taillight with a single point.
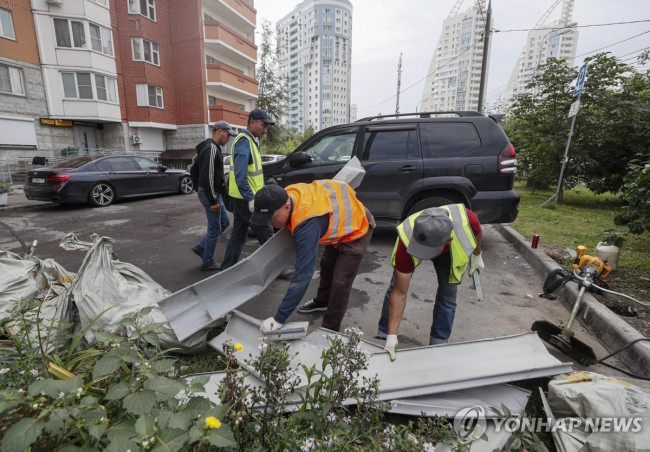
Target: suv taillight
<point x="508" y="160"/>
<point x="58" y="178"/>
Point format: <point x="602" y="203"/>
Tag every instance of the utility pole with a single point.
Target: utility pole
<point x="399" y="82"/>
<point x="486" y="46"/>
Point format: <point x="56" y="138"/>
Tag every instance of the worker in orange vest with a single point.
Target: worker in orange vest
<point x="323" y="212"/>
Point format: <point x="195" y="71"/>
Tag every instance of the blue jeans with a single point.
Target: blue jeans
<point x="444" y="308"/>
<point x="217" y="223"/>
<point x="242" y="215"/>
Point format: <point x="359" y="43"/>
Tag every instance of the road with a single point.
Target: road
<point x="156" y="234"/>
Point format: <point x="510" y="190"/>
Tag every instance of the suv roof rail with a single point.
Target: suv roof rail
<point x="497" y="117"/>
<point x="423" y="114"/>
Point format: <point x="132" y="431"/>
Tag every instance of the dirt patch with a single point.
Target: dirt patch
<point x="636" y="315"/>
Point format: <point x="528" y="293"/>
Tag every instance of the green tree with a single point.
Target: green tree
<point x="271" y="95"/>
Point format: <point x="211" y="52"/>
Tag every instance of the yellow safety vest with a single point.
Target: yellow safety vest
<point x="461" y="247"/>
<point x="254" y="175"/>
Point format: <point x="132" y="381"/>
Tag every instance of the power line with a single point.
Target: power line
<point x="610" y="45"/>
<point x="574" y="26"/>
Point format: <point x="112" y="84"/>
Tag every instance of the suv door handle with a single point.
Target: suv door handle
<point x="407" y="168"/>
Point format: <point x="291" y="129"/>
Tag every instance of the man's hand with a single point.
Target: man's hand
<point x="270" y="325"/>
<point x="476" y="263"/>
<point x="251" y="205"/>
<point x="215" y="208"/>
<point x="391" y="346"/>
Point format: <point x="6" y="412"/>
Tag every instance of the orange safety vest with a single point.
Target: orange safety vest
<point x="347" y="215"/>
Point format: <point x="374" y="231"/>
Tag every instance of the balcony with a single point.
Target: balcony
<point x="233" y="117"/>
<point x="229" y="41"/>
<point x="239" y="13"/>
<point x="224" y="77"/>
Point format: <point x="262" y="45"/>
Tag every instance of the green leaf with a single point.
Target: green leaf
<point x="107" y="364"/>
<point x="21" y="435"/>
<point x="195" y="434"/>
<point x="139" y="403"/>
<point x="57" y="420"/>
<point x="221" y="437"/>
<point x="118" y="391"/>
<point x="174" y="438"/>
<point x="145" y="311"/>
<point x="120" y="444"/>
<point x="162" y="419"/>
<point x="53" y="388"/>
<point x="145" y="426"/>
<point x="164" y="387"/>
<point x="180" y="420"/>
<point x="162" y="365"/>
<point x="97" y="430"/>
<point x="9" y="399"/>
<point x="197" y="406"/>
<point x="125" y="429"/>
<point x="152" y="338"/>
<point x="128" y="354"/>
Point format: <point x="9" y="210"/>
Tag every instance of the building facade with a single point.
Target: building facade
<point x="135" y="76"/>
<point x="315" y="49"/>
<point x="454" y="76"/>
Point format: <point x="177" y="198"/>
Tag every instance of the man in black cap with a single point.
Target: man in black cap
<point x="207" y="176"/>
<point x="244" y="180"/>
<point x="450" y="236"/>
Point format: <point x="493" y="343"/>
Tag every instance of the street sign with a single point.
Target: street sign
<point x="574" y="108"/>
<point x="580" y="82"/>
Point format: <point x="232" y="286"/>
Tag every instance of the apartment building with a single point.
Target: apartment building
<point x="315" y="49"/>
<point x="454" y="76"/>
<point x="138" y="76"/>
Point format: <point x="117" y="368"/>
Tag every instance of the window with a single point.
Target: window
<point x="69" y="33"/>
<point x="146" y="8"/>
<point x="122" y="164"/>
<point x="144" y="50"/>
<point x="212" y="101"/>
<point x="101" y="2"/>
<point x="11" y="80"/>
<point x="333" y="148"/>
<point x="146" y="164"/>
<point x="101" y="39"/>
<point x="149" y="95"/>
<point x="87" y="85"/>
<point x="445" y="139"/>
<point x="390" y="145"/>
<point x="6" y="24"/>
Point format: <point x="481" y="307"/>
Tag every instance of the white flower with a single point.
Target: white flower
<point x="35" y="406"/>
<point x="390" y="429"/>
<point x="61" y="395"/>
<point x="4" y="370"/>
<point x="262" y="347"/>
<point x="307" y="445"/>
<point x="428" y="447"/>
<point x="413" y="439"/>
<point x="34" y="372"/>
<point x="257" y="428"/>
<point x="21" y="390"/>
<point x="389" y="443"/>
<point x="331" y="417"/>
<point x="347" y="419"/>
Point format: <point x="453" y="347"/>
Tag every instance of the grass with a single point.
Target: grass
<point x="578" y="221"/>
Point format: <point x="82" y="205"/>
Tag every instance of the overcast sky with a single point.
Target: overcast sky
<point x="384" y="28"/>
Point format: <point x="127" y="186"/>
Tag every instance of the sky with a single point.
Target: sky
<point x="382" y="29"/>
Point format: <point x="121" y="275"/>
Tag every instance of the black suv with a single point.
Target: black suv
<point x="415" y="161"/>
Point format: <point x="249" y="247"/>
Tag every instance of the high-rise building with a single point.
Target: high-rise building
<point x="135" y="76"/>
<point x="558" y="39"/>
<point x="315" y="49"/>
<point x="454" y="76"/>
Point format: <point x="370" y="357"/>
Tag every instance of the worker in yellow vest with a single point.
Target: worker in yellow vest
<point x="323" y="212"/>
<point x="450" y="236"/>
<point x="245" y="179"/>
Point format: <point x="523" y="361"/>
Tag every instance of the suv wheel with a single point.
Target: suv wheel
<point x="431" y="201"/>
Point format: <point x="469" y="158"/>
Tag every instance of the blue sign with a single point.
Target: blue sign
<point x="580" y="82"/>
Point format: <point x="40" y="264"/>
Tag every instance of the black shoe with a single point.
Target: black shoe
<point x="312" y="306"/>
<point x="211" y="268"/>
<point x="198" y="251"/>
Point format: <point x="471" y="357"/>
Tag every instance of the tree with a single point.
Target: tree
<point x="271" y="95"/>
<point x="637" y="197"/>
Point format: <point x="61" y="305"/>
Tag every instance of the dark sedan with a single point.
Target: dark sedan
<point x="99" y="181"/>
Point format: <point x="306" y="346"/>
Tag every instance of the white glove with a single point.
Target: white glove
<point x="476" y="263"/>
<point x="270" y="325"/>
<point x="251" y="205"/>
<point x="391" y="346"/>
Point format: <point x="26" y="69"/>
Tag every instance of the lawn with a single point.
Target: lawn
<point x="578" y="221"/>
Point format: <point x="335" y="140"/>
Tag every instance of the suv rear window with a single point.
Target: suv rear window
<point x="443" y="139"/>
<point x="390" y="145"/>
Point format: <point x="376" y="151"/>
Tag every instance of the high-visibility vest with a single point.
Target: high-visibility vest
<point x="254" y="175"/>
<point x="346" y="213"/>
<point x="461" y="247"/>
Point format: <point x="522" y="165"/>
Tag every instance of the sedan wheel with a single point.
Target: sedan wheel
<point x="186" y="186"/>
<point x="101" y="195"/>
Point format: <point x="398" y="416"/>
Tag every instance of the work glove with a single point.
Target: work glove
<point x="476" y="263"/>
<point x="391" y="346"/>
<point x="251" y="205"/>
<point x="269" y="325"/>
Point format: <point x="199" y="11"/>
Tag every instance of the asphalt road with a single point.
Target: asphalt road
<point x="156" y="235"/>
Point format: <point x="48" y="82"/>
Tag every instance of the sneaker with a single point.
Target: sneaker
<point x="381" y="335"/>
<point x="198" y="251"/>
<point x="312" y="306"/>
<point x="211" y="268"/>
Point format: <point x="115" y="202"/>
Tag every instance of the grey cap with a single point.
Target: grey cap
<point x="223" y="125"/>
<point x="430" y="233"/>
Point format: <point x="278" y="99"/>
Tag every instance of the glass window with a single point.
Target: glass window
<point x="146" y="8"/>
<point x="111" y="89"/>
<point x="333" y="148"/>
<point x="101" y="2"/>
<point x="149" y="95"/>
<point x="122" y="164"/>
<point x="452" y="138"/>
<point x="212" y="101"/>
<point x="78" y="34"/>
<point x="11" y="80"/>
<point x="390" y="145"/>
<point x="144" y="50"/>
<point x="147" y="164"/>
<point x="84" y="85"/>
<point x="95" y="38"/>
<point x="6" y="24"/>
<point x="62" y="33"/>
<point x="138" y="52"/>
<point x="69" y="85"/>
<point x="103" y="165"/>
<point x="101" y="39"/>
<point x="100" y="86"/>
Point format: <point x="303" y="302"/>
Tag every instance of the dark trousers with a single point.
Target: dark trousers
<point x="241" y="223"/>
<point x="338" y="268"/>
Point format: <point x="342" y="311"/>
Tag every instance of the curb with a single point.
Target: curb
<point x="611" y="330"/>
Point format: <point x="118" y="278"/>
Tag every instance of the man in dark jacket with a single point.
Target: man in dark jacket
<point x="207" y="176"/>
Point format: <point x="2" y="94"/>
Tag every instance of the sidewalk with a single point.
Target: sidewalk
<point x="17" y="200"/>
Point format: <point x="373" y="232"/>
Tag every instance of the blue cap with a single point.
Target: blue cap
<point x="258" y="113"/>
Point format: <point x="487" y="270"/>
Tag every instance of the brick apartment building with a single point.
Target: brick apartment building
<point x="135" y="76"/>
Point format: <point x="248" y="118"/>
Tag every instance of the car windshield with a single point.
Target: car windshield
<point x="73" y="163"/>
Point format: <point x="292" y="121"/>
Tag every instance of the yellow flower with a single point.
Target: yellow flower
<point x="239" y="347"/>
<point x="212" y="422"/>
